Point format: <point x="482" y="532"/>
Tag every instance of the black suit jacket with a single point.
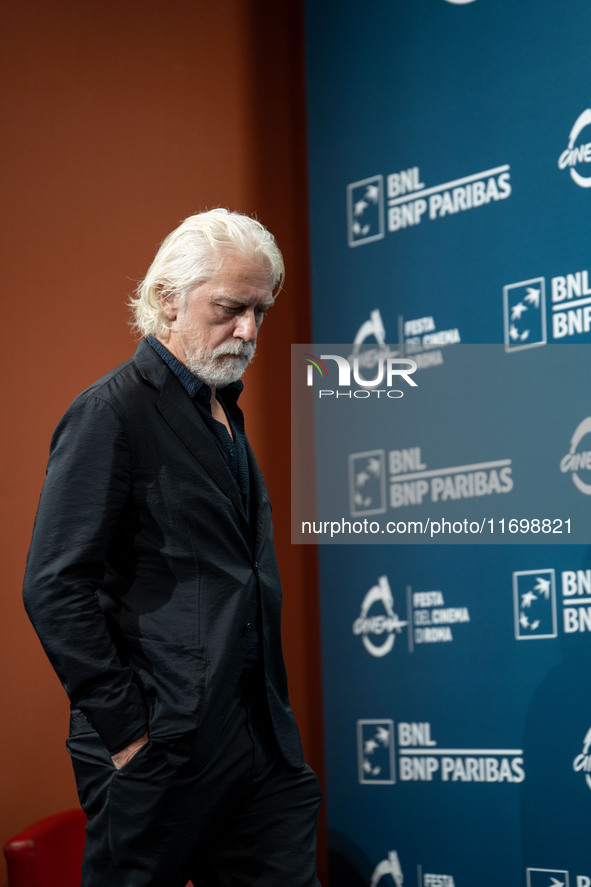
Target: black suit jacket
<point x="144" y="576"/>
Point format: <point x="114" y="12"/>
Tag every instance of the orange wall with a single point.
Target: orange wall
<point x="121" y="117"/>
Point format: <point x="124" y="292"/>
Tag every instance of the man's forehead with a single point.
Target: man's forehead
<point x="236" y="261"/>
<point x="241" y="285"/>
<point x="238" y="278"/>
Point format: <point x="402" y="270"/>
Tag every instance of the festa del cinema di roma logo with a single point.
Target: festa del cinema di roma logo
<point x="389" y="872"/>
<point x="578" y="156"/>
<point x="582" y="762"/>
<point x="389" y="370"/>
<point x="578" y="459"/>
<point x="382" y="626"/>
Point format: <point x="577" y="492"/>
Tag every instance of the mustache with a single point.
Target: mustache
<point x="244" y="350"/>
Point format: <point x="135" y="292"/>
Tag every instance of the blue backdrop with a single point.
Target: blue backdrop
<point x="450" y="186"/>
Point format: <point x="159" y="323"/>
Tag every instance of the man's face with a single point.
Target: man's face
<point x="213" y="331"/>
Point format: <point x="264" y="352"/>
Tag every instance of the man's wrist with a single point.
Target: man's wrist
<point x="123" y="757"/>
<point x="127" y="740"/>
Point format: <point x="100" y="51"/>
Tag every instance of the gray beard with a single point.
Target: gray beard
<point x="215" y="368"/>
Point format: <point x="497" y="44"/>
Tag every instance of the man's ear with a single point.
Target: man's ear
<point x="169" y="302"/>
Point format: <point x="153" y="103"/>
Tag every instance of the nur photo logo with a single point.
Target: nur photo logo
<point x="350" y="381"/>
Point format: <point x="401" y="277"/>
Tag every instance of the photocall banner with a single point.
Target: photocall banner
<point x="450" y="196"/>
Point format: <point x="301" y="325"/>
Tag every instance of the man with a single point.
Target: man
<point x="153" y="585"/>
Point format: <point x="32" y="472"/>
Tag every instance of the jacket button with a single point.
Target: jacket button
<point x="248" y="628"/>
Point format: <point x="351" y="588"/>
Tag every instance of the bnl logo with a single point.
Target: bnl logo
<point x="548" y="878"/>
<point x="554" y="878"/>
<point x="365" y="210"/>
<point x="534" y="604"/>
<point x="367" y="483"/>
<point x="524" y="306"/>
<point x="375" y="752"/>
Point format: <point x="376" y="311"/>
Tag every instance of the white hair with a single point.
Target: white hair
<point x="189" y="255"/>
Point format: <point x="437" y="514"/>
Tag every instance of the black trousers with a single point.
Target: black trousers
<point x="240" y="819"/>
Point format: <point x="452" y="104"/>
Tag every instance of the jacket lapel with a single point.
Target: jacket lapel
<point x="181" y="415"/>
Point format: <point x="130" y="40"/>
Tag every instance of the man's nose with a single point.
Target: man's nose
<point x="246" y="327"/>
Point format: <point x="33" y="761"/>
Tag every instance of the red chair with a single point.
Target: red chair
<point x="48" y="853"/>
